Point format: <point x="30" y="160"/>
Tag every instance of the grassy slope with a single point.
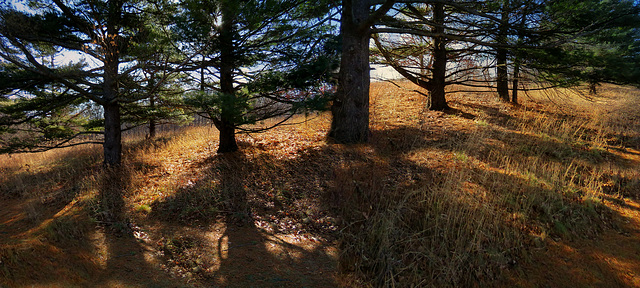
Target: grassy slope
<point x="487" y="193"/>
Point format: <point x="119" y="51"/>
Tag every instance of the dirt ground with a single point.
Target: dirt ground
<point x="214" y="256"/>
<point x="246" y="256"/>
<point x="612" y="259"/>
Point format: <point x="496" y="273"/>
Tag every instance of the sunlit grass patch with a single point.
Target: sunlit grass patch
<point x="537" y="172"/>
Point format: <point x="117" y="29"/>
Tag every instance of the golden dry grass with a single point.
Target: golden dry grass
<point x="435" y="199"/>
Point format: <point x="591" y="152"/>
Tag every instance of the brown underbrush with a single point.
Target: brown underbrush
<point x="463" y="197"/>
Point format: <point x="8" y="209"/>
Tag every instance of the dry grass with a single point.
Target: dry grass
<point x="501" y="180"/>
<point x="436" y="199"/>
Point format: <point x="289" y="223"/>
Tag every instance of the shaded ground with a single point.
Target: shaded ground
<point x="275" y="214"/>
<point x="610" y="260"/>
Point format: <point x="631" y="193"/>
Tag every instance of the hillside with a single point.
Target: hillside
<point x="542" y="194"/>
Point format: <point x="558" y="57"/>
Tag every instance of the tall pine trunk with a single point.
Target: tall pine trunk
<point x="227" y="137"/>
<point x="112" y="126"/>
<point x="226" y="126"/>
<point x="350" y="110"/>
<point x="152" y="121"/>
<point x="112" y="135"/>
<point x="516" y="76"/>
<point x="517" y="61"/>
<point x="152" y="105"/>
<point x="438" y="82"/>
<point x="502" y="75"/>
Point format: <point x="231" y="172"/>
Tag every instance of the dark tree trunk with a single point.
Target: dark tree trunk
<point x="112" y="127"/>
<point x="350" y="110"/>
<point x="502" y="76"/>
<point x="516" y="76"/>
<point x="112" y="135"/>
<point x="438" y="82"/>
<point x="152" y="120"/>
<point x="517" y="62"/>
<point x="225" y="123"/>
<point x="593" y="88"/>
<point x="227" y="137"/>
<point x="152" y="129"/>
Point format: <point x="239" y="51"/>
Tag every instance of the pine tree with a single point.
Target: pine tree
<point x="596" y="42"/>
<point x="111" y="39"/>
<point x="256" y="60"/>
<point x="420" y="59"/>
<point x="550" y="42"/>
<point x="350" y="108"/>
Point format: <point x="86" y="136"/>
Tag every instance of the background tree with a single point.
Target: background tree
<point x="413" y="41"/>
<point x="108" y="38"/>
<point x="350" y="108"/>
<point x="257" y="60"/>
<point x="454" y="37"/>
<point x="549" y="42"/>
<point x="588" y="42"/>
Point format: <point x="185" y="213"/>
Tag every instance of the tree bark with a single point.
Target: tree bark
<point x="227" y="137"/>
<point x="438" y="82"/>
<point x="516" y="76"/>
<point x="152" y="105"/>
<point x="517" y="62"/>
<point x="112" y="135"/>
<point x="502" y="76"/>
<point x="225" y="123"/>
<point x="350" y="109"/>
<point x="152" y="128"/>
<point x="593" y="88"/>
<point x="112" y="126"/>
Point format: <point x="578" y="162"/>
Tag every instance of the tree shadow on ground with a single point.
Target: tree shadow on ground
<point x="128" y="253"/>
<point x="460" y="113"/>
<point x="573" y="254"/>
<point x="39" y="221"/>
<point x="591" y="244"/>
<point x="81" y="239"/>
<point x="554" y="210"/>
<point x="609" y="260"/>
<point x="237" y="236"/>
<point x="27" y="205"/>
<point x="494" y="113"/>
<point x="252" y="218"/>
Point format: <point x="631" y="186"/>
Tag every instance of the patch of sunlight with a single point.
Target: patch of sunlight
<point x="114" y="283"/>
<point x="280" y="250"/>
<point x="625" y="270"/>
<point x="482" y="123"/>
<point x="66" y="211"/>
<point x="224" y="247"/>
<point x="99" y="240"/>
<point x="220" y="245"/>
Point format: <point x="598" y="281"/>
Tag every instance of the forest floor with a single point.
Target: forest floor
<point x="543" y="194"/>
<point x="612" y="259"/>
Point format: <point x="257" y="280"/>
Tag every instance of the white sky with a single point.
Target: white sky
<point x="383" y="72"/>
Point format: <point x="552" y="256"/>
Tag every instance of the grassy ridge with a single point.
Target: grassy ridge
<point x="436" y="199"/>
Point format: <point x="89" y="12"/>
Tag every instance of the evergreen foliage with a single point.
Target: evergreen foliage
<point x="256" y="60"/>
<point x="550" y="43"/>
<point x="114" y="43"/>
